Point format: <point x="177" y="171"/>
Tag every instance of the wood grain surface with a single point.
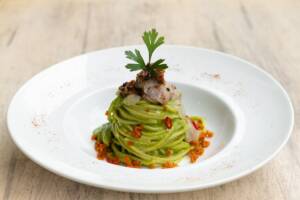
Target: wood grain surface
<point x="35" y="34"/>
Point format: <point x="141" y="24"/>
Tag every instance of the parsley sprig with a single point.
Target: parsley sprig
<point x="152" y="41"/>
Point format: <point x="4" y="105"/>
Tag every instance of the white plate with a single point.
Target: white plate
<point x="51" y="118"/>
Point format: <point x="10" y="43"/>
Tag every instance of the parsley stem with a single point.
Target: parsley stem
<point x="150" y="55"/>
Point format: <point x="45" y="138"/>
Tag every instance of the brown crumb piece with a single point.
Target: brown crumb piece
<point x="143" y="76"/>
<point x="127" y="88"/>
<point x="160" y="76"/>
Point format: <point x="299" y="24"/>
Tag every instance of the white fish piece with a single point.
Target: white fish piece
<point x="159" y="93"/>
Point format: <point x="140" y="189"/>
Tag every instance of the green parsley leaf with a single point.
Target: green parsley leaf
<point x="159" y="64"/>
<point x="137" y="57"/>
<point x="152" y="41"/>
<point x="133" y="67"/>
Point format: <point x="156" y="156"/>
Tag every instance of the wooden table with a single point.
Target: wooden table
<point x="35" y="34"/>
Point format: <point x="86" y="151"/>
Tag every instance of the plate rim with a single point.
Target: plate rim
<point x="143" y="189"/>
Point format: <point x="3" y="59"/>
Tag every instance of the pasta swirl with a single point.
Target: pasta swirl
<point x="157" y="143"/>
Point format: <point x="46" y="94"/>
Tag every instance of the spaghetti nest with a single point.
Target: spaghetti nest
<point x="146" y="126"/>
<point x="143" y="133"/>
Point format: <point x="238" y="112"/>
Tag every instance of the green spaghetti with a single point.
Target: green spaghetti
<point x="146" y="125"/>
